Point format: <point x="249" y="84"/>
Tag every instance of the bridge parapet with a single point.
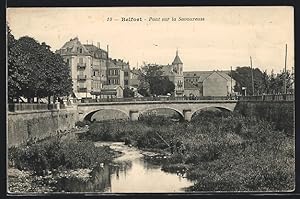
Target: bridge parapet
<point x="156" y="102"/>
<point x="160" y="98"/>
<point x="134" y="108"/>
<point x="275" y="97"/>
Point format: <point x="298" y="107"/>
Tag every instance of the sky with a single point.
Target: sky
<point x="224" y="37"/>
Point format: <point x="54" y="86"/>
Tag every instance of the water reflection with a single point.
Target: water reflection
<point x="128" y="173"/>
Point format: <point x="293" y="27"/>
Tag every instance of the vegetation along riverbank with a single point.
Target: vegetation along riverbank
<point x="222" y="151"/>
<point x="37" y="167"/>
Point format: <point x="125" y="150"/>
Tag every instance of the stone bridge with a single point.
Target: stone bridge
<point x="134" y="108"/>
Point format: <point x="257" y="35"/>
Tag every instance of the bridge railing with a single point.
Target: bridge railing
<point x="269" y="97"/>
<point x="13" y="107"/>
<point x="133" y="99"/>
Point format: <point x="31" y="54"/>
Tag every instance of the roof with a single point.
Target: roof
<point x="90" y="47"/>
<point x="73" y="44"/>
<point x="82" y="95"/>
<point x="195" y="73"/>
<point x="223" y="74"/>
<point x="188" y="85"/>
<point x="118" y="63"/>
<point x="202" y="75"/>
<point x="110" y="87"/>
<point x="177" y="59"/>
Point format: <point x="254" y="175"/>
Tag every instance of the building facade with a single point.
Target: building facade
<point x="209" y="83"/>
<point x="95" y="74"/>
<point x="92" y="69"/>
<point x="175" y="74"/>
<point x="118" y="73"/>
<point x="79" y="59"/>
<point x="134" y="77"/>
<point x="111" y="91"/>
<point x="99" y="59"/>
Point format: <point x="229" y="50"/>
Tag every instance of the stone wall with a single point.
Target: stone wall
<point x="281" y="113"/>
<point x="35" y="125"/>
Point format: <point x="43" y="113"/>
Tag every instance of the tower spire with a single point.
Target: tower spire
<point x="177" y="59"/>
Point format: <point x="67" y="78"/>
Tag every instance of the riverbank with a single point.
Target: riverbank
<point x="224" y="152"/>
<point x="37" y="167"/>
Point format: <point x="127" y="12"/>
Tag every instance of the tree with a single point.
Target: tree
<point x="277" y="82"/>
<point x="243" y="75"/>
<point x="152" y="81"/>
<point x="128" y="92"/>
<point x="35" y="71"/>
<point x="265" y="83"/>
<point x="18" y="73"/>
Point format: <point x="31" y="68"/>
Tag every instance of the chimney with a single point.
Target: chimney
<point x="98" y="44"/>
<point x="107" y="47"/>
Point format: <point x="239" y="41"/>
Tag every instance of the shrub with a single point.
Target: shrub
<point x="82" y="123"/>
<point x="150" y="140"/>
<point x="152" y="119"/>
<point x="53" y="154"/>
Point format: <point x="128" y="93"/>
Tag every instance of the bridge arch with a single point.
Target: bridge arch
<point x="92" y="113"/>
<point x="159" y="108"/>
<point x="221" y="108"/>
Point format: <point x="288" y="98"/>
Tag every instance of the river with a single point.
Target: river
<point x="128" y="173"/>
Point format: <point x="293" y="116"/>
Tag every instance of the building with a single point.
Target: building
<point x="134" y="77"/>
<point x="173" y="71"/>
<point x="88" y="67"/>
<point x="208" y="83"/>
<point x="191" y="90"/>
<point x="91" y="69"/>
<point x="175" y="74"/>
<point x="99" y="59"/>
<point x="111" y="91"/>
<point x="118" y="73"/>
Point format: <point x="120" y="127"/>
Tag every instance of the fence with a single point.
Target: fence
<point x="156" y="99"/>
<point x="33" y="107"/>
<point x="276" y="97"/>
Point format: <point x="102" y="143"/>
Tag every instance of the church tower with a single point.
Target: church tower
<point x="178" y="78"/>
<point x="177" y="65"/>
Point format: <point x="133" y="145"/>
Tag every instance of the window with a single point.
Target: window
<point x="80" y="50"/>
<point x="81" y="84"/>
<point x="68" y="62"/>
<point x="126" y="82"/>
<point x="126" y="74"/>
